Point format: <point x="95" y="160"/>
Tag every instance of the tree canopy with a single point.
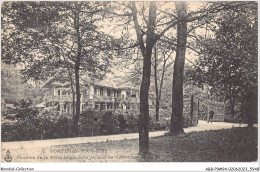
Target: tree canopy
<point x="228" y="57"/>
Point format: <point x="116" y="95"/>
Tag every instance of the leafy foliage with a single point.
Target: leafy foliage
<point x="228" y="59"/>
<point x="42" y="35"/>
<point x="51" y="36"/>
<point x="28" y="124"/>
<point x="13" y="86"/>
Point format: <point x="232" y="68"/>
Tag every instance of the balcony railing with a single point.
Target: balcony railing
<point x="97" y="98"/>
<point x="128" y="99"/>
<point x="61" y="98"/>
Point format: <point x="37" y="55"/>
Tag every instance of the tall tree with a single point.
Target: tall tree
<point x="151" y="23"/>
<point x="228" y="60"/>
<point x="161" y="62"/>
<point x="188" y="24"/>
<point x="145" y="22"/>
<point x="144" y="90"/>
<point x="63" y="35"/>
<point x="177" y="85"/>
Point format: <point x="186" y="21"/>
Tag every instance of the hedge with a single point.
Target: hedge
<point x="94" y="122"/>
<point x="38" y="126"/>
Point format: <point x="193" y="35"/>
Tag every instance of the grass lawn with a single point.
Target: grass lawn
<point x="228" y="145"/>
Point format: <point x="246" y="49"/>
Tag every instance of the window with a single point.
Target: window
<point x="108" y="92"/>
<point x="118" y="93"/>
<point x="101" y="91"/>
<point x="114" y="93"/>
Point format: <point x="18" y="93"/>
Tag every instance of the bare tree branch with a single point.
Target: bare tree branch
<point x="137" y="28"/>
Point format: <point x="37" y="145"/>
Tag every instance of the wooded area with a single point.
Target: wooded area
<point x="161" y="44"/>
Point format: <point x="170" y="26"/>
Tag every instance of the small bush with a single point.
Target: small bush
<point x="90" y="123"/>
<point x="122" y="123"/>
<point x="131" y="123"/>
<point x="50" y="125"/>
<point x="234" y="119"/>
<point x="28" y="124"/>
<point x="161" y="125"/>
<point x="110" y="124"/>
<point x="63" y="127"/>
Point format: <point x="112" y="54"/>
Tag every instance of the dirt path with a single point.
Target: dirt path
<point x="202" y="126"/>
<point x="91" y="149"/>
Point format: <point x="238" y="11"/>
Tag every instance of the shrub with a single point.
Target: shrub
<point x="63" y="128"/>
<point x="90" y="123"/>
<point x="21" y="129"/>
<point x="122" y="123"/>
<point x="28" y="124"/>
<point x="127" y="120"/>
<point x="6" y="130"/>
<point x="131" y="123"/>
<point x="110" y="124"/>
<point x="48" y="125"/>
<point x="24" y="123"/>
<point x="234" y="119"/>
<point x="161" y="125"/>
<point x="53" y="126"/>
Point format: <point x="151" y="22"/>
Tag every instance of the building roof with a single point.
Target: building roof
<point x="56" y="81"/>
<point x="63" y="82"/>
<point x="106" y="82"/>
<point x="125" y="85"/>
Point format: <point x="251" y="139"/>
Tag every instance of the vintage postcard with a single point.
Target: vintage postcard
<point x="126" y="81"/>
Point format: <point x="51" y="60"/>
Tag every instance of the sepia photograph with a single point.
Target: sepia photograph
<point x="128" y="81"/>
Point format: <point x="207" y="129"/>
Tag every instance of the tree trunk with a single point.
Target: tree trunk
<point x="73" y="103"/>
<point x="191" y="109"/>
<point x="162" y="78"/>
<point x="161" y="83"/>
<point x="144" y="90"/>
<point x="176" y="127"/>
<point x="144" y="107"/>
<point x="231" y="102"/>
<point x="157" y="107"/>
<point x="77" y="65"/>
<point x="76" y="117"/>
<point x="156" y="86"/>
<point x="73" y="92"/>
